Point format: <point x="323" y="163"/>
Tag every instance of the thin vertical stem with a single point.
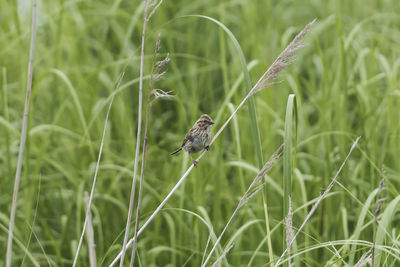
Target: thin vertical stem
<point x="148" y="107"/>
<point x="138" y="136"/>
<point x="139" y="202"/>
<point x="23" y="136"/>
<point x="90" y="235"/>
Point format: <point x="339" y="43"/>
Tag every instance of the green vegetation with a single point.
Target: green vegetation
<point x="345" y="84"/>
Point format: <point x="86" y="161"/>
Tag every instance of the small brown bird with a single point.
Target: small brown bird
<point x="197" y="138"/>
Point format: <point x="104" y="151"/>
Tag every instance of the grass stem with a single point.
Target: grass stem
<point x="138" y="135"/>
<point x="23" y="136"/>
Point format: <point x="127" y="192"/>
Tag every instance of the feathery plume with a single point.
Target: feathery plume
<point x="282" y="61"/>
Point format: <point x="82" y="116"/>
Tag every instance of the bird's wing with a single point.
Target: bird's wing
<point x="188" y="138"/>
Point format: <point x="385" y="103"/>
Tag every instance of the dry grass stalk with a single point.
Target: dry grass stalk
<point x="335" y="252"/>
<point x="148" y="4"/>
<point x="365" y="258"/>
<point x="246" y="197"/>
<point x="24" y="130"/>
<point x="289" y="229"/>
<point x="90" y="235"/>
<point x="152" y="96"/>
<point x="252" y="92"/>
<point x="315" y="206"/>
<point x="89" y="205"/>
<point x="378" y="208"/>
<point x="222" y="255"/>
<point x="155" y="6"/>
<point x="154" y="214"/>
<point x="208" y="243"/>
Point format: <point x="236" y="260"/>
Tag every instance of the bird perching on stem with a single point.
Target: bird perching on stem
<point x="198" y="138"/>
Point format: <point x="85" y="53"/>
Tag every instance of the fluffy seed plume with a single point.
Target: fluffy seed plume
<point x="282" y="61"/>
<point x="159" y="76"/>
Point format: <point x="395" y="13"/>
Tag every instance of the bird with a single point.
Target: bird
<point x="197" y="138"/>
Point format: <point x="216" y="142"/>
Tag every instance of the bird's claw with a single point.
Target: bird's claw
<point x="195" y="162"/>
<point x="207" y="148"/>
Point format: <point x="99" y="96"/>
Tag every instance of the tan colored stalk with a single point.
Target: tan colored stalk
<point x="156" y="74"/>
<point x="23" y="136"/>
<point x="146" y="18"/>
<point x="90" y="235"/>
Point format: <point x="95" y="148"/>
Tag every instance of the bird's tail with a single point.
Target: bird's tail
<point x="176" y="151"/>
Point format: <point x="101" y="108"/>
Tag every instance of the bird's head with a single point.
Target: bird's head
<point x="204" y="121"/>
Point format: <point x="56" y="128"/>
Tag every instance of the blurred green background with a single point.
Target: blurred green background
<point x="346" y="84"/>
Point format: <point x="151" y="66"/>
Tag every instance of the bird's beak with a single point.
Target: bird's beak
<point x="212" y="122"/>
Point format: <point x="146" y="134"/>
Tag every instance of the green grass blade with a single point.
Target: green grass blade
<point x="78" y="106"/>
<point x="290" y="135"/>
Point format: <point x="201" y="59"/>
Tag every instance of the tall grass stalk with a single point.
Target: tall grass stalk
<point x="222" y="255"/>
<point x="272" y="72"/>
<point x="315" y="206"/>
<point x="146" y="18"/>
<point x="154" y="214"/>
<point x="206" y="247"/>
<point x="90" y="235"/>
<point x="23" y="135"/>
<point x="156" y="74"/>
<point x="89" y="204"/>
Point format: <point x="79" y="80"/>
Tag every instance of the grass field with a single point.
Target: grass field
<point x="345" y="83"/>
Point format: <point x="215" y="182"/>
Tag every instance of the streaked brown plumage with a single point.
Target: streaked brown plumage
<point x="198" y="137"/>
